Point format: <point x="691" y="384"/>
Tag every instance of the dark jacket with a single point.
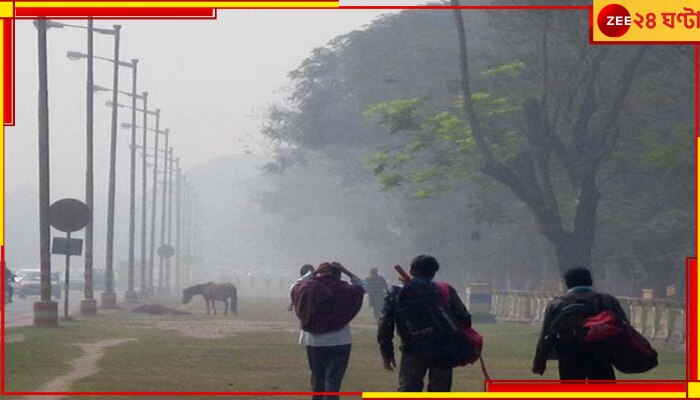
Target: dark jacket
<point x="601" y="301"/>
<point x="388" y="319"/>
<point x="325" y="303"/>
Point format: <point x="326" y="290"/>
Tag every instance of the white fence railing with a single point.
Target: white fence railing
<point x="657" y="319"/>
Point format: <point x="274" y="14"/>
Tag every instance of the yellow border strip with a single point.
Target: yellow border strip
<point x="178" y="4"/>
<point x="526" y="395"/>
<point x="693" y="390"/>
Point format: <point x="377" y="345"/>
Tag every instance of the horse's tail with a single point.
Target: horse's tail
<point x="233" y="301"/>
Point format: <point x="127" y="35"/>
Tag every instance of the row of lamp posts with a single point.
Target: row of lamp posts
<point x="45" y="311"/>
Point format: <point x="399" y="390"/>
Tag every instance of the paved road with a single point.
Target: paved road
<point x="19" y="312"/>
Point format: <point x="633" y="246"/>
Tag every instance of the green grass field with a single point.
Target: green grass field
<point x="254" y="351"/>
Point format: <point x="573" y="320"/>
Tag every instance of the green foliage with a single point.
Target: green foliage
<point x="436" y="148"/>
<point x="511" y="69"/>
<point x="399" y="115"/>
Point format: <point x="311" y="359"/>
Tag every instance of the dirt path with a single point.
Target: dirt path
<point x="220" y="328"/>
<point x="82" y="367"/>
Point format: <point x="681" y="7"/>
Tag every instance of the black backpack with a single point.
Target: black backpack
<point x="566" y="329"/>
<point x="433" y="333"/>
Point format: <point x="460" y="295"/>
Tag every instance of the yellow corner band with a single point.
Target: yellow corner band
<point x="6" y="9"/>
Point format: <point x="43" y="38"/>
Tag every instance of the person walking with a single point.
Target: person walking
<point x="562" y="331"/>
<point x="409" y="306"/>
<point x="9" y="291"/>
<point x="376" y="289"/>
<point x="325" y="305"/>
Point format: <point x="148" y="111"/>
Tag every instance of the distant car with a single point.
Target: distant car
<point x="77" y="279"/>
<point x="19" y="274"/>
<point x="30" y="284"/>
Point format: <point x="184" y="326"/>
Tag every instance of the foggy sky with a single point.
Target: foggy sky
<point x="212" y="79"/>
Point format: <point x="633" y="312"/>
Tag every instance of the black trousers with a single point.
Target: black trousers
<point x="586" y="363"/>
<point x="327" y="365"/>
<point x="412" y="372"/>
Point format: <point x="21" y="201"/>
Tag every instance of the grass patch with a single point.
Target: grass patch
<point x="256" y="359"/>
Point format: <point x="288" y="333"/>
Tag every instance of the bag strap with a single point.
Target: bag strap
<point x="444" y="289"/>
<point x="483" y="369"/>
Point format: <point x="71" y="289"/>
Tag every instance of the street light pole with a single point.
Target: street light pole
<point x="130" y="295"/>
<point x="163" y="215"/>
<point x="109" y="297"/>
<point x="45" y="311"/>
<point x="144" y="197"/>
<point x="178" y="227"/>
<point x="153" y="205"/>
<point x="194" y="239"/>
<point x="146" y="262"/>
<point x="168" y="270"/>
<point x="88" y="306"/>
<point x="185" y="228"/>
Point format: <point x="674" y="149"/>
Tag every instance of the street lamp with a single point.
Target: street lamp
<point x="56" y="24"/>
<point x="127" y="125"/>
<point x="144" y="199"/>
<point x="154" y="195"/>
<point x="168" y="270"/>
<point x="178" y="226"/>
<point x="45" y="311"/>
<point x="76" y="55"/>
<point x="130" y="295"/>
<point x="96" y="88"/>
<point x="109" y="297"/>
<point x="166" y="177"/>
<point x="88" y="306"/>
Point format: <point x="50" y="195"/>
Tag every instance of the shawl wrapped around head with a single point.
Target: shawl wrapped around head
<point x="325" y="304"/>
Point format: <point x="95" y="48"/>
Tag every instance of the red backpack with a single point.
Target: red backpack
<point x="473" y="337"/>
<point x="632" y="353"/>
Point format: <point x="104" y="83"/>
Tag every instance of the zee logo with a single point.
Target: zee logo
<point x="614" y="20"/>
<point x="619" y="21"/>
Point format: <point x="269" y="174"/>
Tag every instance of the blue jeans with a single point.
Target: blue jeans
<point x="327" y="365"/>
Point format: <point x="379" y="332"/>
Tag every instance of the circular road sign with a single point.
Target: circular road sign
<point x="69" y="215"/>
<point x="166" y="251"/>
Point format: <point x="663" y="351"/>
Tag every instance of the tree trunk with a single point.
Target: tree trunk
<point x="574" y="248"/>
<point x="573" y="251"/>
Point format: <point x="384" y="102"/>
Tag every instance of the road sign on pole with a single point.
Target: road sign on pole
<point x="68" y="215"/>
<point x="166" y="251"/>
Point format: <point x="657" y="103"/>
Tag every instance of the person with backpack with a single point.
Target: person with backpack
<point x="325" y="305"/>
<point x="428" y="317"/>
<point x="563" y="333"/>
<point x="376" y="289"/>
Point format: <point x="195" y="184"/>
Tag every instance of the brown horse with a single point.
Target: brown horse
<point x="214" y="291"/>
